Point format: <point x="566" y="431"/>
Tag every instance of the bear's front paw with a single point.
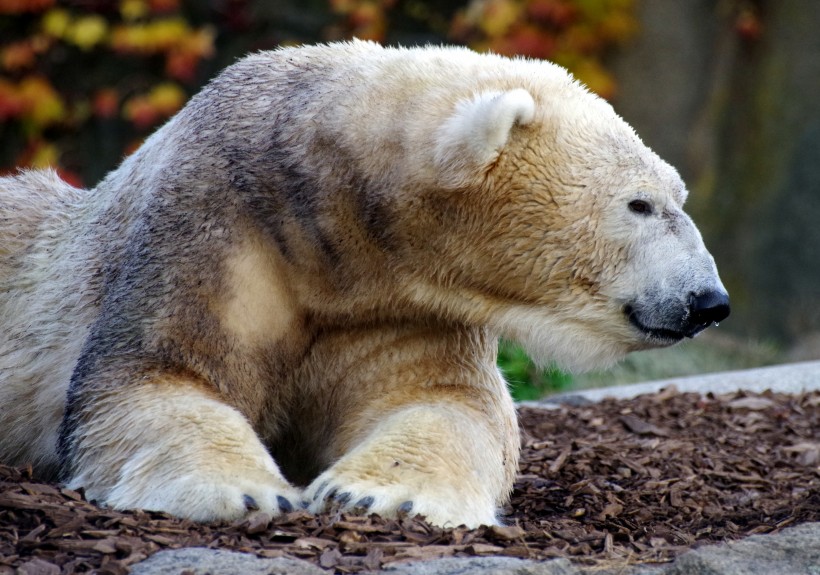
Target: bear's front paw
<point x="438" y="504"/>
<point x="204" y="497"/>
<point x="175" y="448"/>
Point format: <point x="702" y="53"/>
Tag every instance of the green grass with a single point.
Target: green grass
<point x="711" y="352"/>
<point x="528" y="382"/>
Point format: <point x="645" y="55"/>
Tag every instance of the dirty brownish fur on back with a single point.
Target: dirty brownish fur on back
<point x="28" y="202"/>
<point x="41" y="332"/>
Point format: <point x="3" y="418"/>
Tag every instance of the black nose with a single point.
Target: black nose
<point x="705" y="309"/>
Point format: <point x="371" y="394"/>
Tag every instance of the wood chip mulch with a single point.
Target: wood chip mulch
<point x="629" y="481"/>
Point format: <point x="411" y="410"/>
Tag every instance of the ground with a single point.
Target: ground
<point x="629" y="481"/>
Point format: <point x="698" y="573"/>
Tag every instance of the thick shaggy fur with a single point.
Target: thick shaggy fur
<point x="292" y="292"/>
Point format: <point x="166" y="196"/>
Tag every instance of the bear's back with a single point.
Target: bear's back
<point x="28" y="199"/>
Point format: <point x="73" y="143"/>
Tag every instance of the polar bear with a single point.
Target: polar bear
<point x="291" y="294"/>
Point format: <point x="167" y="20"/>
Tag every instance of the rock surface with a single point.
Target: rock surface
<point x="201" y="561"/>
<point x="787" y="378"/>
<point x="793" y="551"/>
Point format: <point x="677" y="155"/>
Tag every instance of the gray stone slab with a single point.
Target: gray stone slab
<point x="787" y="378"/>
<point x="793" y="551"/>
<point x="201" y="561"/>
<point x="482" y="566"/>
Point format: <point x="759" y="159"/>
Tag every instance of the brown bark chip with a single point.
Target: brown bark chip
<point x="633" y="481"/>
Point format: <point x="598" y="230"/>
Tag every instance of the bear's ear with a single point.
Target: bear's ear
<point x="471" y="139"/>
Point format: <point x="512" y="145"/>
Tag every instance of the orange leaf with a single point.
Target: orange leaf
<point x="148" y="109"/>
<point x="159" y="6"/>
<point x="17" y="56"/>
<point x="106" y="102"/>
<point x="527" y="40"/>
<point x="22" y="6"/>
<point x="70" y="177"/>
<point x="556" y="12"/>
<point x="11" y="102"/>
<point x="140" y="112"/>
<point x="748" y="25"/>
<point x="181" y="65"/>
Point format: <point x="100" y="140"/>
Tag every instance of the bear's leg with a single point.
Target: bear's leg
<point x="441" y="459"/>
<point x="167" y="445"/>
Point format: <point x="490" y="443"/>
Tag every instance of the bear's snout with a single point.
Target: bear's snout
<point x="667" y="321"/>
<point x="705" y="309"/>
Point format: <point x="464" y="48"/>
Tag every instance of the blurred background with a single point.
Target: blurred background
<point x="728" y="91"/>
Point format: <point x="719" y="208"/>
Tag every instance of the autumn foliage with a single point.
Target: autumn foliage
<point x="59" y="68"/>
<point x="573" y="33"/>
<point x="83" y="82"/>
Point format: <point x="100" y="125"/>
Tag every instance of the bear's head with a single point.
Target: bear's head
<point x="567" y="233"/>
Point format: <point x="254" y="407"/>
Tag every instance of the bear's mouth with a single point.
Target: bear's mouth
<point x="660" y="334"/>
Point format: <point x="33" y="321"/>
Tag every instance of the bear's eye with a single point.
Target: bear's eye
<point x="640" y="207"/>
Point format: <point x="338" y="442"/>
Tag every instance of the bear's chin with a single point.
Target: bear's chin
<point x="571" y="346"/>
<point x="574" y="355"/>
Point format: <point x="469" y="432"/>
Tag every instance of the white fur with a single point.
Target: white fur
<point x="37" y="353"/>
<point x="570" y="343"/>
<point x="472" y="137"/>
<point x="181" y="451"/>
<point x="404" y="453"/>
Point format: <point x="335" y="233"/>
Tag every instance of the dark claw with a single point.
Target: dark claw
<point x="364" y="503"/>
<point x="319" y="491"/>
<point x="330" y="494"/>
<point x="250" y="503"/>
<point x="285" y="506"/>
<point x="343" y="498"/>
<point x="406" y="507"/>
<point x="304" y="504"/>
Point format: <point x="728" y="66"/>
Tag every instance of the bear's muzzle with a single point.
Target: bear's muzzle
<point x="705" y="309"/>
<point x="668" y="322"/>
